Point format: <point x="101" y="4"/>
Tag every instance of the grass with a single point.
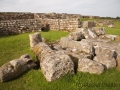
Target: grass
<point x="12" y="47"/>
<point x="53" y="35"/>
<point x="114" y="31"/>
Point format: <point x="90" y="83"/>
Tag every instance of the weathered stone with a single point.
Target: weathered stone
<point x="15" y="68"/>
<point x="35" y="39"/>
<point x="87" y="33"/>
<point x="111" y="26"/>
<point x="58" y="47"/>
<point x="80" y="46"/>
<point x="113" y="47"/>
<point x="105" y="56"/>
<point x="104" y="22"/>
<point x="87" y="65"/>
<point x="99" y="30"/>
<point x="75" y="55"/>
<point x="54" y="64"/>
<point x="77" y="36"/>
<point x="117" y="38"/>
<point x="118" y="58"/>
<point x="118" y="61"/>
<point x="88" y="24"/>
<point x="19" y="26"/>
<point x="17" y="23"/>
<point x="112" y="37"/>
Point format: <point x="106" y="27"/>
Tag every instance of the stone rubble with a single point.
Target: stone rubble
<point x="84" y="50"/>
<point x="15" y="68"/>
<point x="53" y="64"/>
<point x="92" y="55"/>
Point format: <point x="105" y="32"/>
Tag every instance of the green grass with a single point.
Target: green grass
<point x="85" y="19"/>
<point x="12" y="47"/>
<point x="53" y="35"/>
<point x="115" y="30"/>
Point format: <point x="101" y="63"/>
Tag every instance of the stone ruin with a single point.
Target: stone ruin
<point x="17" y="23"/>
<point x="84" y="50"/>
<point x="16" y="67"/>
<point x="108" y="23"/>
<point x="22" y="22"/>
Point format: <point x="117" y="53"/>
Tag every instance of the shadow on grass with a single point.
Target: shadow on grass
<point x="20" y="76"/>
<point x="7" y="36"/>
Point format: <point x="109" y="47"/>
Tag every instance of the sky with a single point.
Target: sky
<point x="103" y="8"/>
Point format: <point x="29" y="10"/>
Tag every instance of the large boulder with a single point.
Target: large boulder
<point x="105" y="56"/>
<point x="114" y="48"/>
<point x="88" y="65"/>
<point x="99" y="30"/>
<point x="77" y="36"/>
<point x="15" y="68"/>
<point x="87" y="33"/>
<point x="54" y="64"/>
<point x="80" y="46"/>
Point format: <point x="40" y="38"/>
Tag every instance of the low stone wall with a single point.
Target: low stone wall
<point x="62" y="24"/>
<point x="8" y="27"/>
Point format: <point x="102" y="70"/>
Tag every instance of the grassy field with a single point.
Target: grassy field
<point x="12" y="47"/>
<point x="114" y="31"/>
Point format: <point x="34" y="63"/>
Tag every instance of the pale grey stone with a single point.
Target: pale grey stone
<point x="87" y="65"/>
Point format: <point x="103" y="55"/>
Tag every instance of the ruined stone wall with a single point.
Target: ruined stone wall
<point x="15" y="15"/>
<point x="18" y="22"/>
<point x="8" y="27"/>
<point x="62" y="24"/>
<point x="69" y="24"/>
<point x="58" y="15"/>
<point x="53" y="23"/>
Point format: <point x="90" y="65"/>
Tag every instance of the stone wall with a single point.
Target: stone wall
<point x="62" y="24"/>
<point x="18" y="22"/>
<point x="8" y="27"/>
<point x="16" y="15"/>
<point x="58" y="15"/>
